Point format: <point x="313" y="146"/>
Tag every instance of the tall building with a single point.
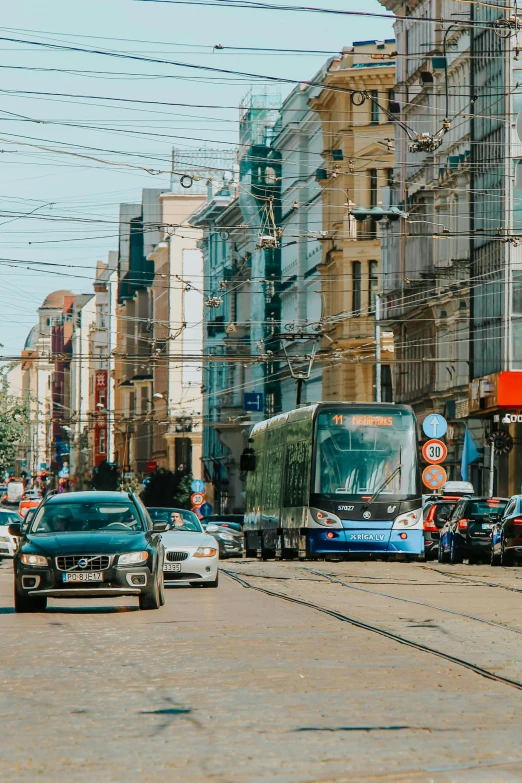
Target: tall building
<point x="140" y="232"/>
<point x="356" y="169"/>
<point x="240" y="222"/>
<point x="83" y="314"/>
<point x="102" y="344"/>
<point x="298" y="142"/>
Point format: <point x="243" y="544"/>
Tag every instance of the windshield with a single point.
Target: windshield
<point x="87" y="517"/>
<point x="177" y="518"/>
<point x="485" y="508"/>
<point x="358" y="451"/>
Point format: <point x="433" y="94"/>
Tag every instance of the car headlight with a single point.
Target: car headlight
<point x="227" y="536"/>
<point x="133" y="558"/>
<point x="205" y="551"/>
<point x="34" y="560"/>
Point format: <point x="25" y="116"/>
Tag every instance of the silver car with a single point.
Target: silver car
<point x="191" y="555"/>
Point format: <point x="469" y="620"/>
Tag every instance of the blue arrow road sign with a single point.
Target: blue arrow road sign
<point x="253" y="401"/>
<point x="434" y="425"/>
<point x="197" y="485"/>
<point x="206" y="509"/>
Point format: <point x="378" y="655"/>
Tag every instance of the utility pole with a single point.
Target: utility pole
<point x="378" y="395"/>
<point x="110" y="361"/>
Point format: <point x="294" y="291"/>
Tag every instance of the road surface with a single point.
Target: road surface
<point x="316" y="672"/>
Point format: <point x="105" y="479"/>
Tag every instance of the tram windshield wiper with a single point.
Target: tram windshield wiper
<point x="386" y="481"/>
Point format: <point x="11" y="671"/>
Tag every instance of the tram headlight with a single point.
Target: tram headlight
<point x="409" y="519"/>
<point x="325" y="518"/>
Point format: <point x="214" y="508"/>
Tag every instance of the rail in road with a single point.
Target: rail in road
<point x="379" y="630"/>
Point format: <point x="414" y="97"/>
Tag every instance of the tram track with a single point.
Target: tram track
<point x="472" y="579"/>
<point x="479" y="670"/>
<point x="483" y="620"/>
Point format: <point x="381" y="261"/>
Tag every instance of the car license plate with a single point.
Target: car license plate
<point x="172" y="566"/>
<point x="487" y="526"/>
<point x="93" y="576"/>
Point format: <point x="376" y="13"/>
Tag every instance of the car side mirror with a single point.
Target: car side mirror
<point x="160" y="527"/>
<point x="15" y="529"/>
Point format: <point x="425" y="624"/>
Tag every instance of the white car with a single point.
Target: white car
<point x="191" y="555"/>
<point x="8" y="543"/>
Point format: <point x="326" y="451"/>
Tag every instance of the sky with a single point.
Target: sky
<point x="74" y="199"/>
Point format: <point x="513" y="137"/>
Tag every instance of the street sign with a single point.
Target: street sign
<point x="197" y="511"/>
<point x="434" y="476"/>
<point x="197" y="499"/>
<point x="206" y="509"/>
<point x="197" y="485"/>
<point x="434" y="425"/>
<point x="151" y="467"/>
<point x="434" y="451"/>
<point x="253" y="401"/>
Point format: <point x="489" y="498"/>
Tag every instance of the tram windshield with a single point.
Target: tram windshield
<point x="366" y="453"/>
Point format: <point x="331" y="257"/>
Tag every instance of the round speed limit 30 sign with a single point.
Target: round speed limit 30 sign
<point x="434" y="451"/>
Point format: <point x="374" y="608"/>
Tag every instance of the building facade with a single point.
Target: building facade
<point x="356" y="168"/>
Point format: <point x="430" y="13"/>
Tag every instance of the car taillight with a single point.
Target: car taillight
<point x="463" y="524"/>
<point x="429" y="522"/>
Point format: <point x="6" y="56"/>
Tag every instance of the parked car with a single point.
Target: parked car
<point x="467" y="533"/>
<point x="8" y="543"/>
<point x="435" y="514"/>
<point x="191" y="555"/>
<point x="27" y="503"/>
<point x="88" y="545"/>
<point x="506" y="535"/>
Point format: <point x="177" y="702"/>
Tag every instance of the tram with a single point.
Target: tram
<point x="334" y="479"/>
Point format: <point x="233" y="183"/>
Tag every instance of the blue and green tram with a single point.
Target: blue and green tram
<point x="334" y="479"/>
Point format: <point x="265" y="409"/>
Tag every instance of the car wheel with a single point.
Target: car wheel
<point x="506" y="558"/>
<point x="494" y="559"/>
<point x="25" y="603"/>
<point x="455" y="557"/>
<point x="214" y="583"/>
<point x="151" y="599"/>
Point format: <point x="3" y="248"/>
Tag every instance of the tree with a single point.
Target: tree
<point x="168" y="489"/>
<point x="14" y="421"/>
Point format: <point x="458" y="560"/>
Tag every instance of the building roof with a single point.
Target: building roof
<point x="31" y="339"/>
<point x="55" y="300"/>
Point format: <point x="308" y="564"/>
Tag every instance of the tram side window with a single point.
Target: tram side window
<point x="272" y="482"/>
<point x="255" y="482"/>
<point x="297" y="473"/>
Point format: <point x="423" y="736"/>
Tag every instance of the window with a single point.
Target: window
<point x="386" y="384"/>
<point x="373" y="187"/>
<point x="356" y="298"/>
<point x="373" y="283"/>
<point x="102" y="442"/>
<point x="374" y="104"/>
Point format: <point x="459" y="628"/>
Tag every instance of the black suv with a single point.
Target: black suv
<point x="88" y="545"/>
<point x="467" y="533"/>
